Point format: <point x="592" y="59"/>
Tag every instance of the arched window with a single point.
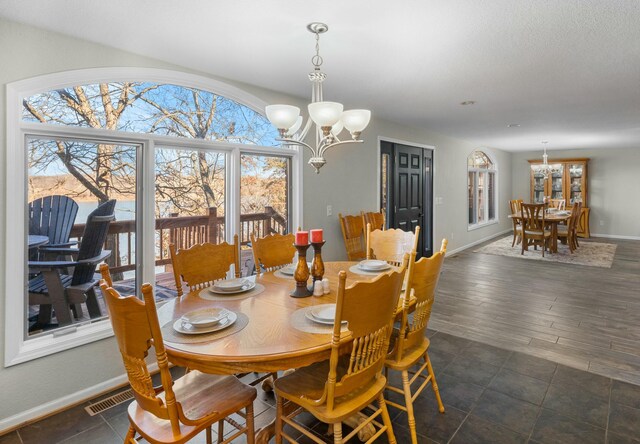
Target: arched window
<point x="186" y="158"/>
<point x="481" y="189"/>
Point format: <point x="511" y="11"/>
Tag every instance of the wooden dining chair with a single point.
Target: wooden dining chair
<point x="180" y="409"/>
<point x="559" y="204"/>
<point x="515" y="206"/>
<point x="377" y="220"/>
<point x="569" y="231"/>
<point x="411" y="345"/>
<point x="273" y="251"/>
<point x="391" y="245"/>
<point x="351" y="379"/>
<point x="353" y="236"/>
<point x="201" y="265"/>
<point x="534" y="231"/>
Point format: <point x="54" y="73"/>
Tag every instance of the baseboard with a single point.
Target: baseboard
<point x="473" y="244"/>
<point x="60" y="404"/>
<point x="616" y="236"/>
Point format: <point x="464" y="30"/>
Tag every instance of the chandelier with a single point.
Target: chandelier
<point x="329" y="117"/>
<point x="545" y="168"/>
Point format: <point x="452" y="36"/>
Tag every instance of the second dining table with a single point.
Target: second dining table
<point x="553" y="219"/>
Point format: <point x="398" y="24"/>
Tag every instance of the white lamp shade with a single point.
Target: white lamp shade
<point x="282" y="116"/>
<point x="296" y="126"/>
<point x="325" y="113"/>
<point x="337" y="128"/>
<point x="356" y="120"/>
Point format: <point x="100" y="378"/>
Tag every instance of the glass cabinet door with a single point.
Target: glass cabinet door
<point x="576" y="182"/>
<point x="556" y="182"/>
<point x="537" y="184"/>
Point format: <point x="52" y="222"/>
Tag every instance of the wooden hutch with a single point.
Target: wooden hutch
<point x="568" y="182"/>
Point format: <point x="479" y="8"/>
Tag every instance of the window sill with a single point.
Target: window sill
<point x="482" y="225"/>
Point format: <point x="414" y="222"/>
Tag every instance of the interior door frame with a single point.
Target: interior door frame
<point x="433" y="178"/>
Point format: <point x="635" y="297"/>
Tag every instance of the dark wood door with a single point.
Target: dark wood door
<point x="410" y="195"/>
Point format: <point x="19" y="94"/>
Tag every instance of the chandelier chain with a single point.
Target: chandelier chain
<point x="317" y="59"/>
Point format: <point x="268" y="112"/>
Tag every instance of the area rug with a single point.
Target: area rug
<point x="591" y="254"/>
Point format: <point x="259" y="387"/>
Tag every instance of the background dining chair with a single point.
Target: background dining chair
<point x="53" y="216"/>
<point x="273" y="251"/>
<point x="201" y="265"/>
<point x="353" y="236"/>
<point x="569" y="231"/>
<point x="377" y="220"/>
<point x="178" y="410"/>
<point x="391" y="245"/>
<point x="558" y="204"/>
<point x="534" y="231"/>
<point x="350" y="380"/>
<point x="514" y="206"/>
<point x="411" y="345"/>
<point x="53" y="289"/>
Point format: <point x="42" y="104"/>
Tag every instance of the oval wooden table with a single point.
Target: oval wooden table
<point x="553" y="219"/>
<point x="269" y="342"/>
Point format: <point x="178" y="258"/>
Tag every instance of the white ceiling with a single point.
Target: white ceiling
<point x="567" y="71"/>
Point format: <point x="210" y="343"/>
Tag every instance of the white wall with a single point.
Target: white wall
<point x="613" y="187"/>
<point x="347" y="182"/>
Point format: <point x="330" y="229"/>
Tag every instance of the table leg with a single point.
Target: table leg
<point x="554" y="238"/>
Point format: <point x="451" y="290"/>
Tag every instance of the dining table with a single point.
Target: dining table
<point x="269" y="335"/>
<point x="552" y="219"/>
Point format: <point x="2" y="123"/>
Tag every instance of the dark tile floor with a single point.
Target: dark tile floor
<point x="491" y="395"/>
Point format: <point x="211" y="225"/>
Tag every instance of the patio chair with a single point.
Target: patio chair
<point x="52" y="289"/>
<point x="352" y="234"/>
<point x="203" y="264"/>
<point x="410" y="349"/>
<point x="178" y="410"/>
<point x="391" y="245"/>
<point x="53" y="217"/>
<point x="351" y="379"/>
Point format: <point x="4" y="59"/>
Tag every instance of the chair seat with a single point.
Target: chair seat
<point x="37" y="284"/>
<point x="409" y="357"/>
<point x="201" y="396"/>
<point x="306" y="385"/>
<point x="537" y="233"/>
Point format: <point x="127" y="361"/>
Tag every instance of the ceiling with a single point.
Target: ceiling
<point x="566" y="71"/>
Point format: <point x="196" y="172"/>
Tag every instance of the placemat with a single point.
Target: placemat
<point x="300" y="322"/>
<point x="170" y="335"/>
<point x="206" y="294"/>
<point x="281" y="275"/>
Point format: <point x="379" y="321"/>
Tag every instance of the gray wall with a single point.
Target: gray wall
<point x="347" y="182"/>
<point x="613" y="186"/>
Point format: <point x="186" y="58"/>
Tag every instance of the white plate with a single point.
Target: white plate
<point x="373" y="265"/>
<point x="188" y="329"/>
<point x="312" y="318"/>
<point x="289" y="270"/>
<point x="324" y="313"/>
<point x="205" y="317"/>
<point x="230" y="284"/>
<point x="246" y="287"/>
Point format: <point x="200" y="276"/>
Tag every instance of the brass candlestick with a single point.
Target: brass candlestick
<point x="317" y="266"/>
<point x="301" y="274"/>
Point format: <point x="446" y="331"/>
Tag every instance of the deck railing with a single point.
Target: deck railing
<point x="183" y="231"/>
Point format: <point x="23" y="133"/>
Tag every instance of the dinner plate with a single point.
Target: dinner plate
<point x="205" y="317"/>
<point x="246" y="287"/>
<point x="230" y="284"/>
<point x="288" y="270"/>
<point x="373" y="265"/>
<point x="324" y="313"/>
<point x="183" y="327"/>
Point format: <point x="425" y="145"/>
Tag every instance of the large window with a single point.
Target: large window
<point x="481" y="189"/>
<point x="184" y="165"/>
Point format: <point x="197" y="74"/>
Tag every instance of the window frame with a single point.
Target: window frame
<point x="17" y="348"/>
<point x="493" y="170"/>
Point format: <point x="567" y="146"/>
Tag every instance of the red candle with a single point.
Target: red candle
<point x="316" y="235"/>
<point x="302" y="238"/>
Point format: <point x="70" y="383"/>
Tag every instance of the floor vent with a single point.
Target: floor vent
<point x="111" y="401"/>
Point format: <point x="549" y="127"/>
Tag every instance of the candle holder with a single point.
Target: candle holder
<point x="301" y="275"/>
<point x="317" y="266"/>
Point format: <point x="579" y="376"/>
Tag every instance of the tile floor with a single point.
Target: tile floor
<point x="491" y="395"/>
